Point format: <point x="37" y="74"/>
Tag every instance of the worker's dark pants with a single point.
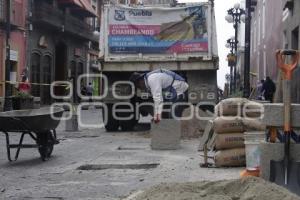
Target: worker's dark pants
<point x="90" y="95"/>
<point x="269" y="97"/>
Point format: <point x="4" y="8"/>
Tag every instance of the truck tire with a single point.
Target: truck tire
<point x="128" y="125"/>
<point x="111" y="123"/>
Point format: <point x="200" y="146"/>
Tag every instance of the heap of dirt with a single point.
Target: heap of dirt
<point x="242" y="189"/>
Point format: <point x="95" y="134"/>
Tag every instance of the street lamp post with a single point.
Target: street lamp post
<point x="235" y="16"/>
<point x="8" y="92"/>
<point x="231" y="43"/>
<point x="246" y="93"/>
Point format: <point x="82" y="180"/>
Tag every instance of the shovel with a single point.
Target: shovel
<point x="286" y="171"/>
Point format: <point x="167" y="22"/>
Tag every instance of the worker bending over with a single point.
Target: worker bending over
<point x="165" y="86"/>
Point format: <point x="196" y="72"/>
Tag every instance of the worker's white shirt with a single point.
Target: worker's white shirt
<point x="159" y="81"/>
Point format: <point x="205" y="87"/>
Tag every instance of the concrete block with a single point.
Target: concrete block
<point x="273" y="115"/>
<point x="166" y="135"/>
<point x="275" y="151"/>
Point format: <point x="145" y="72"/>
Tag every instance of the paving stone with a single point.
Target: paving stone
<point x="273" y="115"/>
<point x="166" y="135"/>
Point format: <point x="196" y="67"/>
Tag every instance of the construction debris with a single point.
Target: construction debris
<point x="241" y="189"/>
<point x="225" y="135"/>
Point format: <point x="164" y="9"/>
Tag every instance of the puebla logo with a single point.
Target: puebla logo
<point x="119" y="15"/>
<point x="140" y="13"/>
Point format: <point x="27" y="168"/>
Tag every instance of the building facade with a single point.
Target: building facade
<point x="266" y="38"/>
<point x="17" y="41"/>
<point x="275" y="25"/>
<point x="60" y="38"/>
<point x="291" y="24"/>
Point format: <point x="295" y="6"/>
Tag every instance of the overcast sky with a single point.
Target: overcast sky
<point x="224" y="31"/>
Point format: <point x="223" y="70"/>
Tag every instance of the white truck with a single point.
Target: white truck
<point x="180" y="38"/>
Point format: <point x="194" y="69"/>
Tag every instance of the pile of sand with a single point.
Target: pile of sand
<point x="242" y="189"/>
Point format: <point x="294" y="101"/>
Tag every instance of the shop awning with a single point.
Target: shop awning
<point x="82" y="5"/>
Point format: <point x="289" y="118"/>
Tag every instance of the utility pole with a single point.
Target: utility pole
<point x="247" y="50"/>
<point x="8" y="89"/>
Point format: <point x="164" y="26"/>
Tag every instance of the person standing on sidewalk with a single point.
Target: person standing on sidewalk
<point x="24" y="86"/>
<point x="89" y="91"/>
<point x="165" y="86"/>
<point x="268" y="89"/>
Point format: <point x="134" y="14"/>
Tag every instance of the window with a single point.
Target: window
<point x="264" y="19"/>
<point x="265" y="63"/>
<point x="254" y="36"/>
<point x="259" y="29"/>
<point x="295" y="38"/>
<point x="257" y="66"/>
<point x="46" y="73"/>
<point x="35" y="74"/>
<point x="2" y="11"/>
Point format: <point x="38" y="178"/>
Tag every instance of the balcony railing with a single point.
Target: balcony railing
<point x="49" y="15"/>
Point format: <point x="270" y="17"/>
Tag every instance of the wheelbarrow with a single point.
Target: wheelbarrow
<point x="39" y="124"/>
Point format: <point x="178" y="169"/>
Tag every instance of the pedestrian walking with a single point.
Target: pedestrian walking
<point x="268" y="89"/>
<point x="89" y="91"/>
<point x="24" y="86"/>
<point x="165" y="86"/>
<point x="259" y="90"/>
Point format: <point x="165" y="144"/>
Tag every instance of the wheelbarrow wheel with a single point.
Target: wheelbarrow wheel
<point x="45" y="152"/>
<point x="45" y="143"/>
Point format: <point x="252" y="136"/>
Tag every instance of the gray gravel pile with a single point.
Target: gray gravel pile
<point x="241" y="189"/>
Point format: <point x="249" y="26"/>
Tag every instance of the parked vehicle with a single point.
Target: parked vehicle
<point x="180" y="38"/>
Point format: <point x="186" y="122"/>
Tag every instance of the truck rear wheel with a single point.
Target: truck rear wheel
<point x="111" y="123"/>
<point x="130" y="122"/>
<point x="128" y="125"/>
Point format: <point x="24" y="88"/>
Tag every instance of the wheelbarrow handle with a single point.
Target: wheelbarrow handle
<point x="287" y="69"/>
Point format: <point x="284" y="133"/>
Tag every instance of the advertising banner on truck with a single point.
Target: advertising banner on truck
<point x="158" y="31"/>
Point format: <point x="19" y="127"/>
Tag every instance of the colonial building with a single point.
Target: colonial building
<point x="60" y="38"/>
<point x="291" y="24"/>
<point x="17" y="40"/>
<point x="266" y="38"/>
<point x="275" y="25"/>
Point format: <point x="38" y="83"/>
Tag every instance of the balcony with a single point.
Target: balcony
<point x="45" y="14"/>
<point x="17" y="15"/>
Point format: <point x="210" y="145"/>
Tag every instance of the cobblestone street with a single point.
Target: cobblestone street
<point x="60" y="178"/>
